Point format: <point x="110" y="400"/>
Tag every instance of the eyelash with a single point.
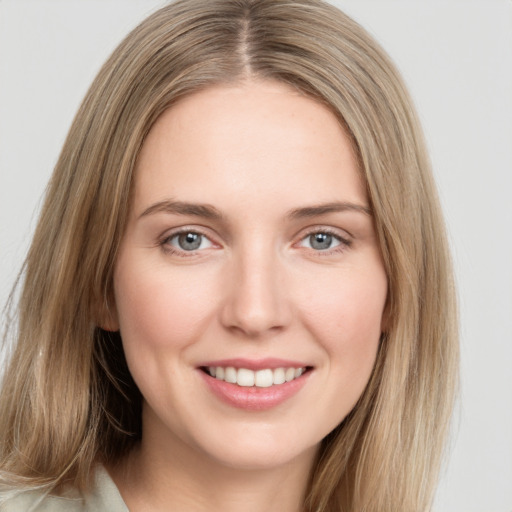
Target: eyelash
<point x="343" y="245"/>
<point x="169" y="249"/>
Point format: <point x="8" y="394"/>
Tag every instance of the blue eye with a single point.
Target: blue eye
<point x="189" y="241"/>
<point x="321" y="241"/>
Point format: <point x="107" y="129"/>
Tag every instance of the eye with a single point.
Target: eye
<point x="323" y="241"/>
<point x="189" y="241"/>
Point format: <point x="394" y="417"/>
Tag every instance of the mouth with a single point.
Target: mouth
<point x="262" y="378"/>
<point x="255" y="384"/>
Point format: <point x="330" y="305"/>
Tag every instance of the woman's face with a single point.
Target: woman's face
<point x="249" y="287"/>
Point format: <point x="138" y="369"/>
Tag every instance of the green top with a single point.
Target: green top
<point x="103" y="496"/>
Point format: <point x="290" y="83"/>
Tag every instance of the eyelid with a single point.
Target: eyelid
<point x="345" y="241"/>
<point x="170" y="234"/>
<point x="340" y="233"/>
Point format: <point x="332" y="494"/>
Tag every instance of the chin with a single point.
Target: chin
<point x="252" y="447"/>
<point x="246" y="456"/>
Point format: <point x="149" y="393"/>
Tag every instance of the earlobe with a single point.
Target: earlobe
<point x="385" y="319"/>
<point x="109" y="324"/>
<point x="107" y="316"/>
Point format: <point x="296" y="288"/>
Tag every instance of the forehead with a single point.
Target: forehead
<point x="255" y="136"/>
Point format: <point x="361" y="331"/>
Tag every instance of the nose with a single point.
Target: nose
<point x="256" y="303"/>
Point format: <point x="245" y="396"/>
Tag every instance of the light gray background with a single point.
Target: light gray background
<point x="456" y="57"/>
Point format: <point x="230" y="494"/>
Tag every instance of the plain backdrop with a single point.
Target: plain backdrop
<point x="456" y="57"/>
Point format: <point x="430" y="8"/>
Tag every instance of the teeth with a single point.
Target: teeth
<point x="279" y="377"/>
<point x="260" y="379"/>
<point x="289" y="374"/>
<point x="263" y="378"/>
<point x="230" y="375"/>
<point x="245" y="377"/>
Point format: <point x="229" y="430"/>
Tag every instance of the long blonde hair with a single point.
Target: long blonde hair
<point x="68" y="400"/>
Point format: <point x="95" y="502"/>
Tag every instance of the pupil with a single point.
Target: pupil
<point x="320" y="241"/>
<point x="189" y="241"/>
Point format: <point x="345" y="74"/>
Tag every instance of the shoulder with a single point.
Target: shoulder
<point x="38" y="502"/>
<point x="104" y="496"/>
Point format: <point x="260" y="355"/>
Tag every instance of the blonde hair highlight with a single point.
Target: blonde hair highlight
<point x="68" y="400"/>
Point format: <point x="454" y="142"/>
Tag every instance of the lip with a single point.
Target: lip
<point x="256" y="364"/>
<point x="254" y="398"/>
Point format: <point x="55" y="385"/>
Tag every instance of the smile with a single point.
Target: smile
<point x="255" y="385"/>
<point x="263" y="378"/>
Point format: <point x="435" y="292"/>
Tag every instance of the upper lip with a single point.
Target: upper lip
<point x="255" y="364"/>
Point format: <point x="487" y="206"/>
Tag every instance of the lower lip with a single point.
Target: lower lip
<point x="254" y="398"/>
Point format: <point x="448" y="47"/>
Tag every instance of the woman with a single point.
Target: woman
<point x="239" y="291"/>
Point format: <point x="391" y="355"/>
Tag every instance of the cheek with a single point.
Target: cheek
<point x="346" y="318"/>
<point x="343" y="311"/>
<point x="158" y="307"/>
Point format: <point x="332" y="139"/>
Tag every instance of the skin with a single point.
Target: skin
<point x="258" y="153"/>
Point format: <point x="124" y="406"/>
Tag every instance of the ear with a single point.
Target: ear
<point x="385" y="320"/>
<point x="107" y="318"/>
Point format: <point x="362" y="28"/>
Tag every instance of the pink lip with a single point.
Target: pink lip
<point x="253" y="398"/>
<point x="256" y="364"/>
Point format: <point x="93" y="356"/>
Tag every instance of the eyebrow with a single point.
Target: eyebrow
<point x="324" y="209"/>
<point x="183" y="208"/>
<point x="210" y="212"/>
